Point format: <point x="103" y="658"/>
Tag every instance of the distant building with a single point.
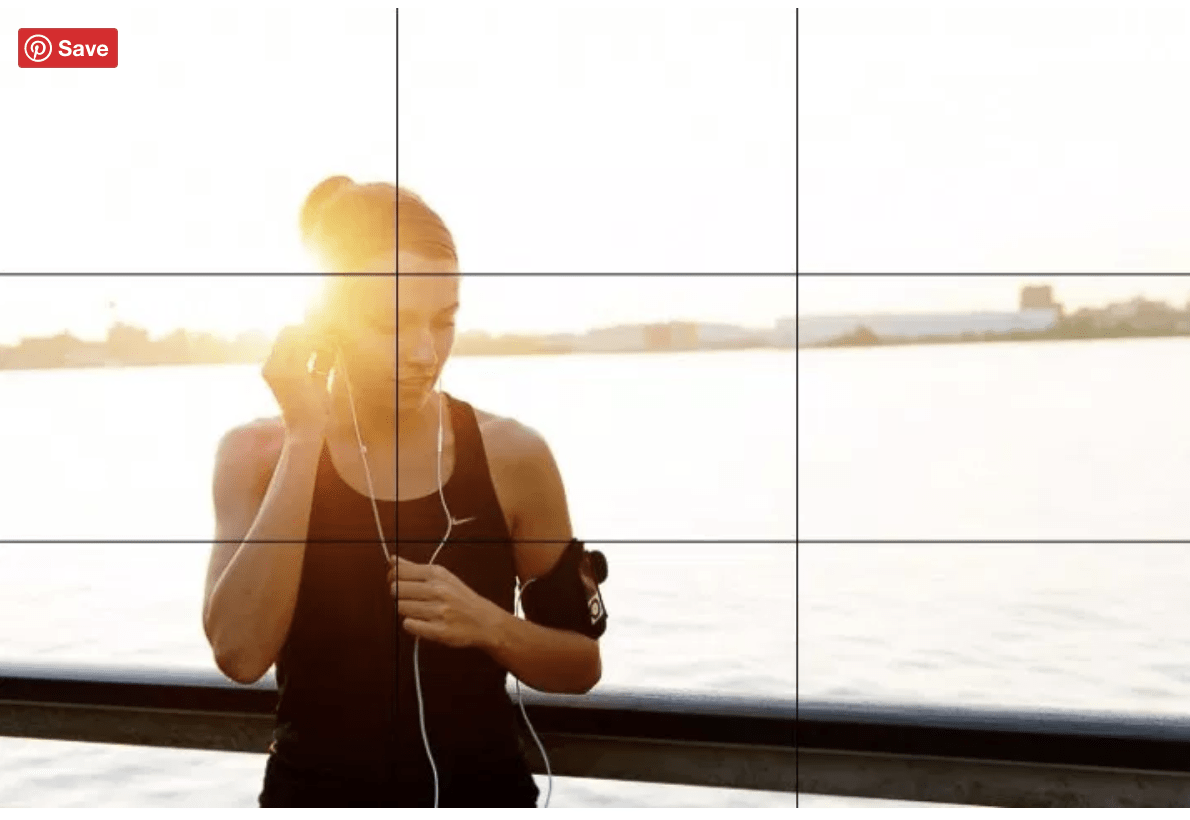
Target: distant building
<point x="818" y="329"/>
<point x="714" y="334"/>
<point x="1039" y="297"/>
<point x="671" y="336"/>
<point x="612" y="339"/>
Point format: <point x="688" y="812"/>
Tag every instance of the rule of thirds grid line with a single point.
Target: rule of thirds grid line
<point x="797" y="267"/>
<point x="463" y="541"/>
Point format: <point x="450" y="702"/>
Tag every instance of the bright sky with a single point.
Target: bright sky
<point x="637" y="140"/>
<point x="193" y="155"/>
<point x="557" y="304"/>
<point x="1044" y="138"/>
<point x="87" y="305"/>
<point x="653" y="138"/>
<point x="649" y="138"/>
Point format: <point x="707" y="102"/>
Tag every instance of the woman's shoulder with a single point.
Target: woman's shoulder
<point x="259" y="431"/>
<point x="505" y="431"/>
<point x="253" y="445"/>
<point x="506" y="438"/>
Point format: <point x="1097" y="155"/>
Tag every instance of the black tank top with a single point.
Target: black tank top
<point x="471" y="722"/>
<point x="347" y="709"/>
<point x="336" y="673"/>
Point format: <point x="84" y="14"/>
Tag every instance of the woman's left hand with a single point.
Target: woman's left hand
<point x="439" y="607"/>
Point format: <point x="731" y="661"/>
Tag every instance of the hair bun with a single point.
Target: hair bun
<point x="316" y="202"/>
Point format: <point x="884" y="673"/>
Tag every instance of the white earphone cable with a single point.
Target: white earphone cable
<point x="449" y="526"/>
<point x="541" y="748"/>
<point x="363" y="454"/>
<point x="421" y="706"/>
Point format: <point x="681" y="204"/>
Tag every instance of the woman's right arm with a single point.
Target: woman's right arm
<point x="261" y="522"/>
<point x="256" y="562"/>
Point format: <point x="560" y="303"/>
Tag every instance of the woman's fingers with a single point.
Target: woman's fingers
<point x="420" y="610"/>
<point x="416" y="591"/>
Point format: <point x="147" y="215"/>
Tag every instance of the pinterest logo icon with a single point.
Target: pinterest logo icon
<point x="38" y="48"/>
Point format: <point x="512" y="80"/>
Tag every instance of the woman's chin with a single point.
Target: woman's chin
<point x="409" y="404"/>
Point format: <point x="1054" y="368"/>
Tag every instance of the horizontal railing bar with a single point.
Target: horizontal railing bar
<point x="977" y="755"/>
<point x="680" y="738"/>
<point x="614" y="713"/>
<point x="1133" y="741"/>
<point x="985" y="782"/>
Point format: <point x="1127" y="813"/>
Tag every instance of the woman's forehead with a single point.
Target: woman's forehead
<point x="364" y="292"/>
<point x="427" y="294"/>
<point x="409" y="262"/>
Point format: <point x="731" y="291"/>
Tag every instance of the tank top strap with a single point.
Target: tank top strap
<point x="470" y="492"/>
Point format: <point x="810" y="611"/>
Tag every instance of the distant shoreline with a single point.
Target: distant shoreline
<point x="859" y="338"/>
<point x="115" y="365"/>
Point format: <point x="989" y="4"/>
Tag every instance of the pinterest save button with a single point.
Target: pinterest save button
<point x="67" y="48"/>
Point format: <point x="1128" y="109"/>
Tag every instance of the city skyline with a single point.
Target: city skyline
<point x="848" y="294"/>
<point x="86" y="306"/>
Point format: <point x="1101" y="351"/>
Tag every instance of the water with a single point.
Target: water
<point x="1029" y="441"/>
<point x="689" y="448"/>
<point x="947" y="443"/>
<point x="1048" y="444"/>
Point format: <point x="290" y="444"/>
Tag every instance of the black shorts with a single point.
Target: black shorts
<point x="486" y="784"/>
<point x="288" y="787"/>
<point x="503" y="784"/>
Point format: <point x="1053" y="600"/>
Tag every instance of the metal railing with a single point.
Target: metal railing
<point x="970" y="756"/>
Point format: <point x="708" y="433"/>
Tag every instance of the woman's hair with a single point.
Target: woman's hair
<point x="350" y="224"/>
<point x="420" y="230"/>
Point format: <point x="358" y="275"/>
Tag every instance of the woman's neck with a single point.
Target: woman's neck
<point x="376" y="427"/>
<point x="421" y="424"/>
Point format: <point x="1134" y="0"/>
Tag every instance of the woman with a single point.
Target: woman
<point x="481" y="511"/>
<point x="300" y="576"/>
<point x="297" y="574"/>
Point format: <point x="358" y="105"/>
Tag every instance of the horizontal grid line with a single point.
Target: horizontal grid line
<point x="790" y="275"/>
<point x="1000" y="273"/>
<point x="178" y="273"/>
<point x="463" y="540"/>
<point x="636" y="274"/>
<point x="374" y="541"/>
<point x="1005" y="541"/>
<point x="785" y="274"/>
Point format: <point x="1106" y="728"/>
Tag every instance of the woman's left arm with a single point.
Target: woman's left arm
<point x="439" y="607"/>
<point x="549" y="660"/>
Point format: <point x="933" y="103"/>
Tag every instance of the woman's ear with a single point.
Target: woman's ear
<point x="322" y="326"/>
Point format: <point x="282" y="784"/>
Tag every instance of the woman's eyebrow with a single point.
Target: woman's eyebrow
<point x="417" y="312"/>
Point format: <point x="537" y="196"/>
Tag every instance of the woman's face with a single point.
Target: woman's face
<point x="363" y="313"/>
<point x="427" y="294"/>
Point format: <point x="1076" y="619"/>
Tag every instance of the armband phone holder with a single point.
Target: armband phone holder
<point x="568" y="596"/>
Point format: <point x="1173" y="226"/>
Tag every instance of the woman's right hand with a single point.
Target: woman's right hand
<point x="303" y="396"/>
